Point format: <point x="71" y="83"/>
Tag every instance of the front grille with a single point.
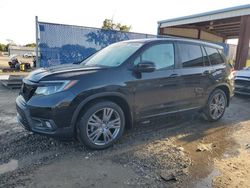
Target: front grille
<point x="242" y="86"/>
<point x="242" y="83"/>
<point x="27" y="91"/>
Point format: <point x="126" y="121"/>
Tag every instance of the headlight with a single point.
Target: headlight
<point x="51" y="87"/>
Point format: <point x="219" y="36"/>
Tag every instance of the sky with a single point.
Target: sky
<point x="18" y="16"/>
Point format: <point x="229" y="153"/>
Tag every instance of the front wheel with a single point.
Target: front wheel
<point x="216" y="105"/>
<point x="101" y="125"/>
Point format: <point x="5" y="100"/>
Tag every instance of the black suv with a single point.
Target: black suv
<point x="128" y="81"/>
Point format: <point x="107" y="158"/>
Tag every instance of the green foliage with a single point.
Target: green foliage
<point x="109" y="24"/>
<point x="33" y="45"/>
<point x="3" y="47"/>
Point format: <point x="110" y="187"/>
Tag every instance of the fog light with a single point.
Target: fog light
<point x="41" y="124"/>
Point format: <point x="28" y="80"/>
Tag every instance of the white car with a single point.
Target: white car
<point x="242" y="81"/>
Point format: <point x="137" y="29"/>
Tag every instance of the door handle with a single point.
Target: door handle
<point x="207" y="72"/>
<point x="173" y="75"/>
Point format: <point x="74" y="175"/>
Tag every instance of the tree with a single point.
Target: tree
<point x="109" y="24"/>
<point x="3" y="47"/>
<point x="33" y="45"/>
<point x="11" y="42"/>
<point x="8" y="45"/>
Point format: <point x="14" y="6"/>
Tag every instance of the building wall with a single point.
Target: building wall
<point x="232" y="52"/>
<point x="248" y="59"/>
<point x="20" y="50"/>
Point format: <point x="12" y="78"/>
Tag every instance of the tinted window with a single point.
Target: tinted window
<point x="190" y="55"/>
<point x="161" y="54"/>
<point x="214" y="56"/>
<point x="205" y="57"/>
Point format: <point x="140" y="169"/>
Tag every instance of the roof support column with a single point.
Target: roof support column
<point x="243" y="44"/>
<point x="199" y="34"/>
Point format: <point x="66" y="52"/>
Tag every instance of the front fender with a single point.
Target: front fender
<point x="96" y="96"/>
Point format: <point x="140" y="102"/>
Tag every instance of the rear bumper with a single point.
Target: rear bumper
<point x="39" y="125"/>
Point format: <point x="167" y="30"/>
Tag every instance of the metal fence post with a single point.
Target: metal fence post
<point x="37" y="63"/>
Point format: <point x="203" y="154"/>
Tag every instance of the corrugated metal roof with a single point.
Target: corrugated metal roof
<point x="207" y="16"/>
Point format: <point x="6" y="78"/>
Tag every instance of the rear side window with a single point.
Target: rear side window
<point x="205" y="57"/>
<point x="190" y="55"/>
<point x="222" y="55"/>
<point x="214" y="56"/>
<point x="161" y="54"/>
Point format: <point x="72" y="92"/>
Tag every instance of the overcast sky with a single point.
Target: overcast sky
<point x="18" y="16"/>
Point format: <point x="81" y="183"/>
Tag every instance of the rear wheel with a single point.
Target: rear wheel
<point x="101" y="125"/>
<point x="216" y="105"/>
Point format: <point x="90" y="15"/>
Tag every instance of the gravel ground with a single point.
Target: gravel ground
<point x="162" y="153"/>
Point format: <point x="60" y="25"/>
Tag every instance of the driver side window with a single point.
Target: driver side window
<point x="161" y="54"/>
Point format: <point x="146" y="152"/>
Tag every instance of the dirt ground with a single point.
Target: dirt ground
<point x="179" y="151"/>
<point x="4" y="61"/>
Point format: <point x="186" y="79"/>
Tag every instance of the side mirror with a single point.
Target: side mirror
<point x="145" y="66"/>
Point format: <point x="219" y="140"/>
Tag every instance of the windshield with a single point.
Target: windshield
<point x="113" y="55"/>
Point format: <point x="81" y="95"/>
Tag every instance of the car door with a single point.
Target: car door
<point x="217" y="71"/>
<point x="194" y="71"/>
<point x="156" y="93"/>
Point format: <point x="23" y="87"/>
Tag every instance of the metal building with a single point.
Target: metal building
<point x="215" y="26"/>
<point x="20" y="50"/>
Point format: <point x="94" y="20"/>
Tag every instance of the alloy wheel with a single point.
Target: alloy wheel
<point x="217" y="105"/>
<point x="103" y="126"/>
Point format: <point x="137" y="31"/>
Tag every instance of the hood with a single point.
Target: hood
<point x="243" y="73"/>
<point x="37" y="75"/>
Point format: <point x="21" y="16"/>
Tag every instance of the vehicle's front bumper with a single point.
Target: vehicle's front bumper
<point x="38" y="125"/>
<point x="242" y="91"/>
<point x="242" y="87"/>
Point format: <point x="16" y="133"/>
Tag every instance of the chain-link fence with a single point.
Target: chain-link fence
<point x="61" y="44"/>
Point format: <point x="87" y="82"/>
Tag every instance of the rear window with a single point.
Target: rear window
<point x="190" y="55"/>
<point x="214" y="56"/>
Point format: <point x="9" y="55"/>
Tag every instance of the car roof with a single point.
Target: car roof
<point x="150" y="40"/>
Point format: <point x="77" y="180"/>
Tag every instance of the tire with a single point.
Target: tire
<point x="216" y="105"/>
<point x="97" y="131"/>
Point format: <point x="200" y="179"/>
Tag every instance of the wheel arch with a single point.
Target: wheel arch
<point x="117" y="98"/>
<point x="224" y="88"/>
